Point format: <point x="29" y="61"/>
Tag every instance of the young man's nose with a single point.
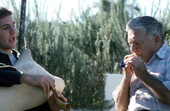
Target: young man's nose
<point x="13" y="30"/>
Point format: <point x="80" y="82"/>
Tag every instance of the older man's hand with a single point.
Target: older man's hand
<point x="135" y="64"/>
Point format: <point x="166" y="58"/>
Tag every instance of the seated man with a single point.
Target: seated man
<point x="9" y="76"/>
<point x="146" y="82"/>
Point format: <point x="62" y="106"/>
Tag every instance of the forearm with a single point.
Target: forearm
<point x="122" y="96"/>
<point x="157" y="88"/>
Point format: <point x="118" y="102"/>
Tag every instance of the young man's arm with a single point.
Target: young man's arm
<point x="9" y="76"/>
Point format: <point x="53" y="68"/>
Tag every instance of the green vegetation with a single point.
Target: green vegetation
<point x="82" y="50"/>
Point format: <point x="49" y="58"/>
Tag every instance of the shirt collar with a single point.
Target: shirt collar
<point x="161" y="53"/>
<point x="15" y="52"/>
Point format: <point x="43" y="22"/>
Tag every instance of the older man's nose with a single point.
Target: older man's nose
<point x="134" y="48"/>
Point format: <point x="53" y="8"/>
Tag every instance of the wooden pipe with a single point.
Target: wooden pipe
<point x="63" y="105"/>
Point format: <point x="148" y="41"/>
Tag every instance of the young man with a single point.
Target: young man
<point x="146" y="82"/>
<point x="10" y="76"/>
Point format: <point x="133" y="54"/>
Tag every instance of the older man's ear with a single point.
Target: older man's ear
<point x="158" y="41"/>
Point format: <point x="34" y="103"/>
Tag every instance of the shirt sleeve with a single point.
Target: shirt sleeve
<point x="9" y="76"/>
<point x="167" y="76"/>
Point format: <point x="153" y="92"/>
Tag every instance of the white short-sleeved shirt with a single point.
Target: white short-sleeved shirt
<point x="159" y="67"/>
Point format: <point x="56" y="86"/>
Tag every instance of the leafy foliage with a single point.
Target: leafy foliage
<point x="80" y="52"/>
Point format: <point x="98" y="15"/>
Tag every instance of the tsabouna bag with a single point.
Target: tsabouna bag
<point x="23" y="97"/>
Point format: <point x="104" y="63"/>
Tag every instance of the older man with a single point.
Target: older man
<point x="146" y="81"/>
<point x="10" y="76"/>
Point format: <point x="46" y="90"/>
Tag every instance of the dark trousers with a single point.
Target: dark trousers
<point x="43" y="107"/>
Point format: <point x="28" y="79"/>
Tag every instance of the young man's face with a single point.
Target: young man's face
<point x="7" y="34"/>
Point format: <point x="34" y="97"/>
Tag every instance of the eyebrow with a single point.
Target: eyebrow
<point x="132" y="40"/>
<point x="7" y="24"/>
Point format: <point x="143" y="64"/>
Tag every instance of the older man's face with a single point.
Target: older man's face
<point x="141" y="45"/>
<point x="7" y="34"/>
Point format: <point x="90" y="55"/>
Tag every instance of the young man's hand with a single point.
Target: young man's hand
<point x="43" y="82"/>
<point x="53" y="103"/>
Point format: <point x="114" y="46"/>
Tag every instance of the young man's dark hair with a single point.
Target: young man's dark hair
<point x="4" y="12"/>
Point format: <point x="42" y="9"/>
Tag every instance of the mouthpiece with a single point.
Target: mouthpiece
<point x="122" y="64"/>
